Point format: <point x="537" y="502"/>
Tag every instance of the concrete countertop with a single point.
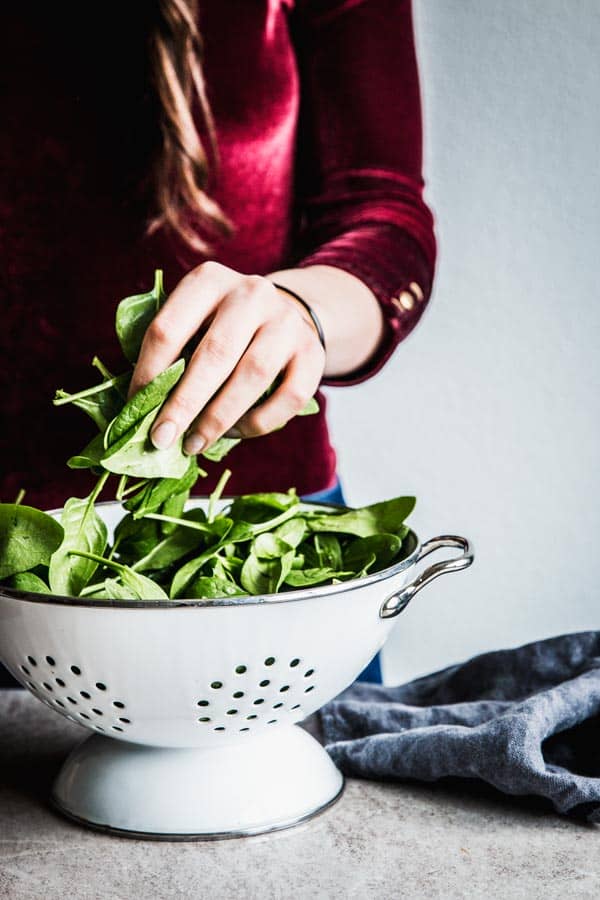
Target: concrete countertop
<point x="379" y="841"/>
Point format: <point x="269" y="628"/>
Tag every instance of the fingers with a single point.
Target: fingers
<point x="267" y="355"/>
<point x="191" y="303"/>
<point x="253" y="335"/>
<point x="300" y="383"/>
<point x="218" y="353"/>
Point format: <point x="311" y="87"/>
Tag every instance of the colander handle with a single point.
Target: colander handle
<point x="395" y="603"/>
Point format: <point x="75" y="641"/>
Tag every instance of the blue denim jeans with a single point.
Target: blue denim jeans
<point x="335" y="494"/>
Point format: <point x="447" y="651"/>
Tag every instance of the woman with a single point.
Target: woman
<point x="240" y="145"/>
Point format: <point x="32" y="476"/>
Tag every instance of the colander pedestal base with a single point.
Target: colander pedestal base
<point x="259" y="783"/>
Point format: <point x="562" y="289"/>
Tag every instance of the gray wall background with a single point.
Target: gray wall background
<point x="489" y="411"/>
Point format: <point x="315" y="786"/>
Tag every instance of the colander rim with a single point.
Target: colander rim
<point x="248" y="600"/>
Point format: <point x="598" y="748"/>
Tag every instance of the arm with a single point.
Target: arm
<point x="369" y="247"/>
<point x="367" y="237"/>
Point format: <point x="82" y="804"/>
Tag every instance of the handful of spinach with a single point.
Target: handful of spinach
<point x="256" y="544"/>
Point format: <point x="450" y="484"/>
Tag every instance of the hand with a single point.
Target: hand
<point x="255" y="332"/>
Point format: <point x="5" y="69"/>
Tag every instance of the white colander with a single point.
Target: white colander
<point x="193" y="704"/>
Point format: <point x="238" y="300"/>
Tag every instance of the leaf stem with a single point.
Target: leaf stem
<point x="216" y="494"/>
<point x="111" y="564"/>
<point x="62" y="397"/>
<point x="19" y="497"/>
<point x="98" y="364"/>
<point x="187" y="523"/>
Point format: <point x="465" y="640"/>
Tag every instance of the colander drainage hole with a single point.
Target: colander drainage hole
<point x="245" y="728"/>
<point x="60" y="682"/>
<point x="285" y="687"/>
<point x="297" y="706"/>
<point x="60" y="703"/>
<point x="205" y="702"/>
<point x="75" y="670"/>
<point x="116" y="728"/>
<point x="294" y="663"/>
<point x="118" y="704"/>
<point x="237" y="694"/>
<point x="50" y="660"/>
<point x="277" y="705"/>
<point x="216" y="685"/>
<point x="31" y="661"/>
<point x="47" y="686"/>
<point x="84" y="715"/>
<point x="311" y="688"/>
<point x="204" y="719"/>
<point x="309" y="672"/>
<point x="26" y="670"/>
<point x="101" y="686"/>
<point x="269" y="661"/>
<point x="272" y="722"/>
<point x="240" y="670"/>
<point x="265" y="683"/>
<point x="31" y="685"/>
<point x="98" y="712"/>
<point x="253" y="716"/>
<point x="220" y="728"/>
<point x="126" y="721"/>
<point x="232" y="712"/>
<point x="71" y="700"/>
<point x="258" y="701"/>
<point x="85" y="695"/>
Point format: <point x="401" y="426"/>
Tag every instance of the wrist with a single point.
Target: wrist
<point x="306" y="310"/>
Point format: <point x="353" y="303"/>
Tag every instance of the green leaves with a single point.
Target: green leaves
<point x="150" y="397"/>
<point x="83" y="530"/>
<point x="135" y="455"/>
<point x="135" y="313"/>
<point x="258" y="544"/>
<point x="386" y="516"/>
<point x="28" y="538"/>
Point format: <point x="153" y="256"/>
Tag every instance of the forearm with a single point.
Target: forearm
<point x="348" y="310"/>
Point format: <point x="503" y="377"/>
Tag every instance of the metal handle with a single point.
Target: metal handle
<point x="395" y="603"/>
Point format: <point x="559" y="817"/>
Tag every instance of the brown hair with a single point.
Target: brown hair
<point x="187" y="152"/>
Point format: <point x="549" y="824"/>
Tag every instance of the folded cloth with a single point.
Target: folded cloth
<point x="525" y="720"/>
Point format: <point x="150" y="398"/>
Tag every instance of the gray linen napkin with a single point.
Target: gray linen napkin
<point x="525" y="720"/>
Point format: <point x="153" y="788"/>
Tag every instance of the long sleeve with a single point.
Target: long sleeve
<point x="360" y="184"/>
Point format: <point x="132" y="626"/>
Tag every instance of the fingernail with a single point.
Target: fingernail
<point x="194" y="444"/>
<point x="163" y="435"/>
<point x="233" y="433"/>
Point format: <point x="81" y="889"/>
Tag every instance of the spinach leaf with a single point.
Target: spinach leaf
<point x="328" y="551"/>
<point x="170" y="549"/>
<point x="142" y="587"/>
<point x="28" y="538"/>
<point x="158" y="492"/>
<point x="269" y="546"/>
<point x="265" y="576"/>
<point x="379" y="549"/>
<point x="83" y="530"/>
<point x="207" y="587"/>
<point x="147" y="398"/>
<point x="134" y="454"/>
<point x="91" y="455"/>
<point x="221" y="447"/>
<point x="230" y="534"/>
<point x="135" y="313"/>
<point x="386" y="516"/>
<point x="29" y="582"/>
<point x="301" y="578"/>
<point x="111" y="589"/>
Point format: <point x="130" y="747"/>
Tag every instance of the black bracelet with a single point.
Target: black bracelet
<point x="309" y="310"/>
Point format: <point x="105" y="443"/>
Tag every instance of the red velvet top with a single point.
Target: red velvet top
<point x="318" y="118"/>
